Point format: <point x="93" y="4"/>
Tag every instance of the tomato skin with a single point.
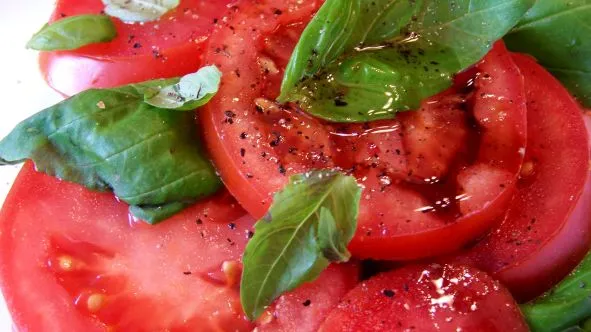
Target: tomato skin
<point x="169" y="47"/>
<point x="548" y="227"/>
<point x="69" y="73"/>
<point x="427" y="298"/>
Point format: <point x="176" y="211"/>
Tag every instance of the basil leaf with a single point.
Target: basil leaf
<point x="557" y="34"/>
<point x="73" y="32"/>
<point x="367" y="60"/>
<point x="110" y="139"/>
<point x="566" y="305"/>
<point x="308" y="226"/>
<point x="139" y="10"/>
<point x="192" y="91"/>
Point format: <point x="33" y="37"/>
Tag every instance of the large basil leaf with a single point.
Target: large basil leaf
<point x="192" y="91"/>
<point x="73" y="32"/>
<point x="139" y="10"/>
<point x="366" y="60"/>
<point x="111" y="139"/>
<point x="308" y="226"/>
<point x="557" y="34"/>
<point x="565" y="306"/>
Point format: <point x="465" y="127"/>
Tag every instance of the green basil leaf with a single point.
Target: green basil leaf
<point x="308" y="226"/>
<point x="192" y="91"/>
<point x="557" y="34"/>
<point x="566" y="305"/>
<point x="110" y="139"/>
<point x="367" y="60"/>
<point x="73" y="32"/>
<point x="139" y="10"/>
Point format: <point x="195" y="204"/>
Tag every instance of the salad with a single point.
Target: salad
<point x="304" y="165"/>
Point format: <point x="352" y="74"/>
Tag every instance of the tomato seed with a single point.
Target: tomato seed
<point x="95" y="302"/>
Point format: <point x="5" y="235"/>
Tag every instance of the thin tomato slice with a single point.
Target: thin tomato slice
<point x="418" y="170"/>
<point x="171" y="46"/>
<point x="427" y="298"/>
<point x="547" y="230"/>
<point x="88" y="266"/>
<point x="463" y="154"/>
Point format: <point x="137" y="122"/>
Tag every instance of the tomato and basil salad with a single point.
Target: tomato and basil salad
<point x="304" y="165"/>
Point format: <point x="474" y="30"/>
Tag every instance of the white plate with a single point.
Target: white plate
<point x="23" y="90"/>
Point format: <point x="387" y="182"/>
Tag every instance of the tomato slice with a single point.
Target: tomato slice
<point x="427" y="298"/>
<point x="171" y="46"/>
<point x="306" y="307"/>
<point x="418" y="170"/>
<point x="89" y="266"/>
<point x="547" y="230"/>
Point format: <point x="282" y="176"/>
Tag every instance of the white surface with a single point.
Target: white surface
<point x="23" y="90"/>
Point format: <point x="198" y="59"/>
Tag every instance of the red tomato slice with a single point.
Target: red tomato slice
<point x="427" y="298"/>
<point x="306" y="307"/>
<point x="548" y="227"/>
<point x="171" y="46"/>
<point x="418" y="170"/>
<point x="88" y="266"/>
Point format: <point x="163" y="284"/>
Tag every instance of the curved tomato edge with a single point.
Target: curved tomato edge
<point x="531" y="277"/>
<point x="16" y="190"/>
<point x="209" y="128"/>
<point x="21" y="322"/>
<point x="576" y="230"/>
<point x="70" y="73"/>
<point x="437" y="238"/>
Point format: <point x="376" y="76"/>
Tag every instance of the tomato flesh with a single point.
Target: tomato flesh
<point x="306" y="307"/>
<point x="427" y="298"/>
<point x="466" y="176"/>
<point x="547" y="230"/>
<point x="171" y="46"/>
<point x="417" y="169"/>
<point x="89" y="266"/>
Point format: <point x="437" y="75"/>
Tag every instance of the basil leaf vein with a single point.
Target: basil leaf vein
<point x="308" y="226"/>
<point x="110" y="139"/>
<point x="73" y="32"/>
<point x="367" y="60"/>
<point x="557" y="34"/>
<point x="564" y="306"/>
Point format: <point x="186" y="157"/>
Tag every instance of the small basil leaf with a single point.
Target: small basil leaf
<point x="367" y="60"/>
<point x="566" y="305"/>
<point x="557" y="34"/>
<point x="110" y="139"/>
<point x="73" y="32"/>
<point x="139" y="10"/>
<point x="192" y="91"/>
<point x="308" y="226"/>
